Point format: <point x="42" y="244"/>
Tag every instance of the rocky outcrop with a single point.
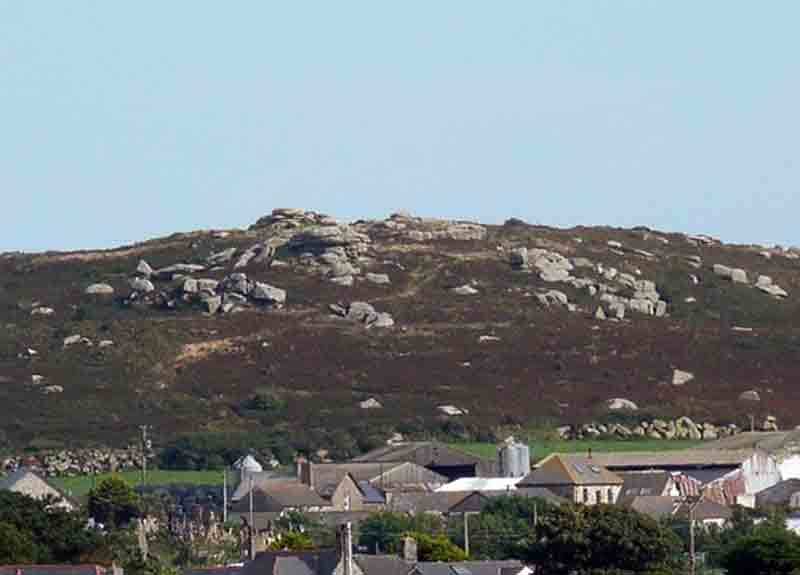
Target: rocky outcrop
<point x="362" y="313"/>
<point x="99" y="289"/>
<point x="465" y="289"/>
<point x="67" y="463"/>
<point x="680" y="377"/>
<point x="619" y="403"/>
<point x="681" y="428"/>
<point x="142" y="285"/>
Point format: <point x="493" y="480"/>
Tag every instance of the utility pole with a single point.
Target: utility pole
<point x="692" y="501"/>
<point x="224" y="495"/>
<point x="347" y="559"/>
<point x="146" y="444"/>
<point x="252" y="524"/>
<point x="466" y="530"/>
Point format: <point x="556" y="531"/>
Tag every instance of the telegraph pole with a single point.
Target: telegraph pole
<point x="252" y="524"/>
<point x="146" y="444"/>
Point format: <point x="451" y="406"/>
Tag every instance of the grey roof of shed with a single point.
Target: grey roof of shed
<point x="672" y="458"/>
<point x="661" y="506"/>
<point x="426" y="453"/>
<point x="260" y="479"/>
<point x="779" y="494"/>
<point x="644" y="483"/>
<point x="326" y="476"/>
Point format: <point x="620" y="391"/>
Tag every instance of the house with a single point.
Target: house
<point x="33" y="485"/>
<point x="578" y="479"/>
<point x="280" y="495"/>
<point x="440" y="458"/>
<point x="459" y="502"/>
<point x="785" y="494"/>
<point x="706" y="512"/>
<point x="722" y="475"/>
<point x="88" y="569"/>
<point x="367" y="484"/>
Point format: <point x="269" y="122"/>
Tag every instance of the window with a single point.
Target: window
<point x="610" y="495"/>
<point x="597" y="495"/>
<point x="585" y="495"/>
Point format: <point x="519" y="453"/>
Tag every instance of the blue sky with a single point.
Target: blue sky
<point x="121" y="121"/>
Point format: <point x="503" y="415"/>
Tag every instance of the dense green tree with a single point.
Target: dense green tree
<point x="113" y="503"/>
<point x="503" y="529"/>
<point x="56" y="535"/>
<point x="16" y="546"/>
<point x="601" y="537"/>
<point x="383" y="532"/>
<point x="770" y="548"/>
<point x="437" y="548"/>
<point x="292" y="541"/>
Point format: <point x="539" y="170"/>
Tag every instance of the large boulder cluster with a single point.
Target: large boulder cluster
<point x="362" y="313"/>
<point x="763" y="283"/>
<point x="680" y="428"/>
<point x="66" y="463"/>
<point x="235" y="292"/>
<point x="617" y="291"/>
<point x="416" y="229"/>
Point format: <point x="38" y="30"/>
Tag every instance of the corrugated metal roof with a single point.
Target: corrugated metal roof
<point x="669" y="458"/>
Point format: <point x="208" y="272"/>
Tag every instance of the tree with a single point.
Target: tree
<point x="292" y="541"/>
<point x="503" y="528"/>
<point x="383" y="532"/>
<point x="601" y="538"/>
<point x="768" y="549"/>
<point x="437" y="548"/>
<point x="56" y="535"/>
<point x="113" y="503"/>
<point x="16" y="547"/>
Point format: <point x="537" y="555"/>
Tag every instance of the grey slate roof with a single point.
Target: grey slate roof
<point x="293" y="563"/>
<point x="278" y="495"/>
<point x="382" y="564"/>
<point x="466" y="568"/>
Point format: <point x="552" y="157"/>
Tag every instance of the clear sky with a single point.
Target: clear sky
<point x="121" y="121"/>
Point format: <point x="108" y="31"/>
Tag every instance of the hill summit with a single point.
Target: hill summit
<point x="341" y="335"/>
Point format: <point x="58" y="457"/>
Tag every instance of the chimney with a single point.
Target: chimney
<point x="346" y="551"/>
<point x="304" y="471"/>
<point x="409" y="550"/>
<point x="590" y="453"/>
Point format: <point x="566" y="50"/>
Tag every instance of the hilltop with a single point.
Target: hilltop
<point x="340" y="335"/>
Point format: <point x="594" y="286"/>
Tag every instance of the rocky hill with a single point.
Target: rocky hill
<point x="324" y="333"/>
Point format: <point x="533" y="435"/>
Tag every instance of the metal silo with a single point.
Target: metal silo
<point x="514" y="459"/>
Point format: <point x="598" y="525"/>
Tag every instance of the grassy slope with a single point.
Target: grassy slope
<point x="80" y="485"/>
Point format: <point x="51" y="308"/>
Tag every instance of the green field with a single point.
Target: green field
<point x="79" y="486"/>
<point x="543" y="447"/>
